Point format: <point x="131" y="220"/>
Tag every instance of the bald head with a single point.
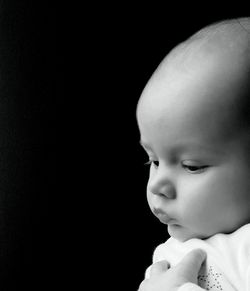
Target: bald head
<point x="209" y="72"/>
<point x="229" y="38"/>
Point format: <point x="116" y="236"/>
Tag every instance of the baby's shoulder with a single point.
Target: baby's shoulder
<point x="218" y="246"/>
<point x="238" y="241"/>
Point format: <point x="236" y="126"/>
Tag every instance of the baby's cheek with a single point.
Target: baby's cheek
<point x="198" y="208"/>
<point x="208" y="214"/>
<point x="149" y="198"/>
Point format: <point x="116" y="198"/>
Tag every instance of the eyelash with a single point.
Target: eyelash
<point x="198" y="169"/>
<point x="187" y="167"/>
<point x="156" y="163"/>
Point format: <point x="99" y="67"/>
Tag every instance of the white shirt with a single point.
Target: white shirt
<point x="227" y="266"/>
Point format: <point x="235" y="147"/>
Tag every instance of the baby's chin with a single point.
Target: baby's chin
<point x="183" y="234"/>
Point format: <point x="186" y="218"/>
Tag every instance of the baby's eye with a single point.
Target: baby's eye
<point x="194" y="169"/>
<point x="155" y="163"/>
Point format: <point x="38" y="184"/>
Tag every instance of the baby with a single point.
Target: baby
<point x="194" y="121"/>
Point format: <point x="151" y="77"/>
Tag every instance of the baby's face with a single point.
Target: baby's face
<point x="199" y="181"/>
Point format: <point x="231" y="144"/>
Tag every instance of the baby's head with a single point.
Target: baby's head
<point x="194" y="120"/>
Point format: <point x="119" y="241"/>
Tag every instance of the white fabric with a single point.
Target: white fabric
<point x="190" y="287"/>
<point x="227" y="266"/>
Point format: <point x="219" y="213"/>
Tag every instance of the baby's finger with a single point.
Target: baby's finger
<point x="159" y="267"/>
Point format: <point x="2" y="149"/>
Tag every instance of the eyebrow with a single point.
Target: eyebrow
<point x="189" y="146"/>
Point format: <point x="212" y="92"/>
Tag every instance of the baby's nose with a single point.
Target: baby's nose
<point x="160" y="184"/>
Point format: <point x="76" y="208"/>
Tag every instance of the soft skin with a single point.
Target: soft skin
<point x="190" y="127"/>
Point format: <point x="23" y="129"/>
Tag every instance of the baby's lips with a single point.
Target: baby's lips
<point x="162" y="216"/>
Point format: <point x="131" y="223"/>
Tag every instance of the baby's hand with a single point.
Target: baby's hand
<point x="163" y="278"/>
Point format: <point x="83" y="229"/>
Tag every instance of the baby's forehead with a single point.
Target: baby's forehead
<point x="219" y="54"/>
<point x="206" y="78"/>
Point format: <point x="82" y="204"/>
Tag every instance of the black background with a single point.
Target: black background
<point x="27" y="142"/>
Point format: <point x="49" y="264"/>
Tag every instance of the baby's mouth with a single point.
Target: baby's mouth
<point x="162" y="216"/>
